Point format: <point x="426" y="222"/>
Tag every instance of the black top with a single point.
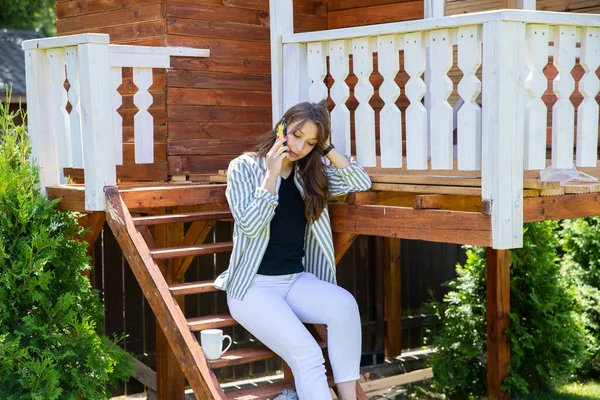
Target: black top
<point x="286" y="245"/>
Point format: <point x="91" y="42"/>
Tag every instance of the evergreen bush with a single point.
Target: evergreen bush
<point x="546" y="335"/>
<point x="51" y="341"/>
<point x="580" y="241"/>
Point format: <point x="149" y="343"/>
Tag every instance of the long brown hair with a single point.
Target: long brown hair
<point x="311" y="167"/>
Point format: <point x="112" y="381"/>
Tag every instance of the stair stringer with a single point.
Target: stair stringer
<point x="184" y="345"/>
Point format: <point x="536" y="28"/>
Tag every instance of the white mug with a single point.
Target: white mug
<point x="211" y="341"/>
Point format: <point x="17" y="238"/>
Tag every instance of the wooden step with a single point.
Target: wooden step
<point x="195" y="250"/>
<point x="187" y="217"/>
<point x="184" y="289"/>
<point x="210" y="322"/>
<point x="242" y="356"/>
<point x="263" y="392"/>
<point x="246" y="356"/>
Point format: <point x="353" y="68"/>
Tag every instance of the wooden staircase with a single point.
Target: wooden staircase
<point x="135" y="237"/>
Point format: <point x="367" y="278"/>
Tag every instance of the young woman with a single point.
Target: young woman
<point x="282" y="268"/>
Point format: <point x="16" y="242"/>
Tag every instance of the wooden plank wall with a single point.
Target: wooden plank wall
<point x="140" y="22"/>
<point x="218" y="107"/>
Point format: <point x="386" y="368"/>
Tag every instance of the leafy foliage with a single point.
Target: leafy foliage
<point x="580" y="241"/>
<point x="51" y="340"/>
<point x="39" y="15"/>
<point x="546" y="335"/>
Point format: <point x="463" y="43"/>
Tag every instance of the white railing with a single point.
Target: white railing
<point x="90" y="136"/>
<point x="503" y="136"/>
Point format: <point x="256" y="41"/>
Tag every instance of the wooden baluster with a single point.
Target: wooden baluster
<point x="416" y="113"/>
<point x="339" y="65"/>
<point x="296" y="81"/>
<point x="42" y="139"/>
<point x="317" y="70"/>
<point x="116" y="79"/>
<point x="441" y="117"/>
<point x="75" y="116"/>
<point x="587" y="113"/>
<point x="390" y="118"/>
<point x="364" y="116"/>
<point x="58" y="107"/>
<point x="469" y="116"/>
<point x="536" y="112"/>
<point x="143" y="123"/>
<point x="563" y="112"/>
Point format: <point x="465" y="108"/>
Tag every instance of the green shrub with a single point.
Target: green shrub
<point x="51" y="340"/>
<point x="546" y="333"/>
<point x="580" y="240"/>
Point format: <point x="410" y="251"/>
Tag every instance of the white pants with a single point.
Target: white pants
<point x="273" y="310"/>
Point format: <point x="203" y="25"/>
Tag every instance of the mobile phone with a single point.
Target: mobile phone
<point x="282" y="130"/>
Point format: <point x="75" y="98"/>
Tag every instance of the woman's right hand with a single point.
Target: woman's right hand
<point x="275" y="157"/>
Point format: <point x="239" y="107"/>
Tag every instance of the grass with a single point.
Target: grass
<point x="571" y="391"/>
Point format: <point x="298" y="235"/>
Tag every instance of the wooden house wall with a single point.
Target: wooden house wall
<point x="140" y="22"/>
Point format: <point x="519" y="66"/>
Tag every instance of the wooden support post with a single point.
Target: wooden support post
<point x="392" y="302"/>
<point x="95" y="222"/>
<point x="170" y="378"/>
<point x="498" y="307"/>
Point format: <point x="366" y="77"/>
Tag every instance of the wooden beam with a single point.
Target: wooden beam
<point x="341" y="244"/>
<point x="400" y="222"/>
<point x="157" y="293"/>
<point x="398" y="187"/>
<point x="173" y="195"/>
<point x="498" y="307"/>
<point x="393" y="303"/>
<point x="447" y="202"/>
<point x="72" y="198"/>
<point x="561" y="207"/>
<point x="170" y="377"/>
<point x="196" y="234"/>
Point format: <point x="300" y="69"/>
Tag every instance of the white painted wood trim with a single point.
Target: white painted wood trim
<point x="502" y="130"/>
<point x="468" y="117"/>
<point x="116" y="79"/>
<point x="364" y="115"/>
<point x="143" y="123"/>
<point x="43" y="143"/>
<point x="536" y="112"/>
<point x="65" y="41"/>
<point x="282" y="23"/>
<point x="454" y="21"/>
<point x="434" y="8"/>
<point x="587" y="113"/>
<point x="317" y="71"/>
<point x="187" y="52"/>
<point x="96" y="108"/>
<point x="72" y="60"/>
<point x="440" y="88"/>
<point x="416" y="113"/>
<point x="339" y="67"/>
<point x="390" y="117"/>
<point x="295" y="75"/>
<point x="527" y="5"/>
<point x="563" y="112"/>
<point x="58" y="106"/>
<point x="139" y="56"/>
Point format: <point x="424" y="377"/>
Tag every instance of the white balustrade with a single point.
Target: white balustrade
<point x="416" y="113"/>
<point x="364" y="116"/>
<point x="90" y="135"/>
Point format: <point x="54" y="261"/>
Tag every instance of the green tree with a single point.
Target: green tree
<point x="580" y="240"/>
<point x="546" y="335"/>
<point x="38" y="15"/>
<point x="51" y="341"/>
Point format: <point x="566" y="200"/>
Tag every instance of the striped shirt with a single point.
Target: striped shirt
<point x="253" y="208"/>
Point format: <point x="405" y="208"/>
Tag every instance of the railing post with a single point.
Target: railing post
<point x="96" y="103"/>
<point x="282" y="22"/>
<point x="39" y="119"/>
<point x="503" y="129"/>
